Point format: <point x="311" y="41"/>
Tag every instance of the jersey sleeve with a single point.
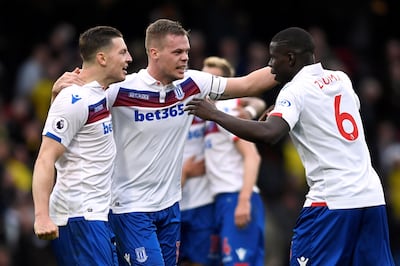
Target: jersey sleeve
<point x="67" y="114"/>
<point x="229" y="106"/>
<point x="213" y="86"/>
<point x="288" y="105"/>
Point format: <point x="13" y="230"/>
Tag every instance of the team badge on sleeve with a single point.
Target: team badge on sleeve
<point x="60" y="125"/>
<point x="284" y="103"/>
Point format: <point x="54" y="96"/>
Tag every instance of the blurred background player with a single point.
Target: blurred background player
<point x="200" y="245"/>
<point x="199" y="241"/>
<point x="232" y="166"/>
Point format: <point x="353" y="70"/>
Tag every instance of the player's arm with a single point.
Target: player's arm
<point x="67" y="79"/>
<point x="42" y="184"/>
<point x="251" y="165"/>
<point x="250" y="107"/>
<point x="192" y="167"/>
<point x="253" y="84"/>
<point x="269" y="131"/>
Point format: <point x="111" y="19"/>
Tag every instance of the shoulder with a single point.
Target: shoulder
<point x="129" y="77"/>
<point x="69" y="93"/>
<point x="72" y="98"/>
<point x="197" y="74"/>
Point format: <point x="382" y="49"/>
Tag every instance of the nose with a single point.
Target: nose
<point x="185" y="56"/>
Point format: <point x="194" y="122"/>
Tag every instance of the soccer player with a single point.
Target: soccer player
<point x="72" y="206"/>
<point x="150" y="128"/>
<point x="344" y="220"/>
<point x="200" y="244"/>
<point x="232" y="166"/>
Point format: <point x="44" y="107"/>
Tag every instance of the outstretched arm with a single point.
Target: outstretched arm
<point x="269" y="131"/>
<point x="253" y="84"/>
<point x="192" y="167"/>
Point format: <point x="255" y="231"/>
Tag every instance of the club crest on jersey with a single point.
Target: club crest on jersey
<point x="60" y="125"/>
<point x="141" y="255"/>
<point x="179" y="94"/>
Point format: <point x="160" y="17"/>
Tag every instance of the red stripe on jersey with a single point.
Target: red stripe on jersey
<point x="97" y="111"/>
<point x="141" y="98"/>
<point x="211" y="127"/>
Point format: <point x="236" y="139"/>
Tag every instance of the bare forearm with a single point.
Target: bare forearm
<point x="42" y="185"/>
<point x="269" y="131"/>
<point x="253" y="84"/>
<point x="243" y="128"/>
<point x="251" y="165"/>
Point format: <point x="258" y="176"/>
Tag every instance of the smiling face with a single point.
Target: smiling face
<point x="118" y="60"/>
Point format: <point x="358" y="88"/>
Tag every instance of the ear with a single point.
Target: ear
<point x="154" y="52"/>
<point x="101" y="58"/>
<point x="292" y="59"/>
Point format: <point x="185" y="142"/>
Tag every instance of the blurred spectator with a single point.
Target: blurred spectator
<point x="32" y="70"/>
<point x="19" y="112"/>
<point x="388" y="134"/>
<point x="138" y="52"/>
<point x="63" y="46"/>
<point x="370" y="92"/>
<point x="392" y="61"/>
<point x="391" y="156"/>
<point x="40" y="96"/>
<point x="197" y="49"/>
<point x="256" y="56"/>
<point x="5" y="256"/>
<point x="168" y="10"/>
<point x="324" y="53"/>
<point x="229" y="48"/>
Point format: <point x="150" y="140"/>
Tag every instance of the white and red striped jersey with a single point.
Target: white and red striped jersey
<point x="196" y="190"/>
<point x="80" y="120"/>
<point x="322" y="111"/>
<point x="224" y="162"/>
<point x="150" y="129"/>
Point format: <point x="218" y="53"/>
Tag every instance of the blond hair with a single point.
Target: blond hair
<point x="221" y="63"/>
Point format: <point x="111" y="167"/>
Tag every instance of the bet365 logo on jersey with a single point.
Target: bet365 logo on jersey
<point x="165" y="113"/>
<point x="107" y="128"/>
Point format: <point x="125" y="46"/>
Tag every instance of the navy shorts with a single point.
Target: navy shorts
<point x="240" y="246"/>
<point x="199" y="242"/>
<point x="147" y="238"/>
<point x="85" y="243"/>
<point x="356" y="237"/>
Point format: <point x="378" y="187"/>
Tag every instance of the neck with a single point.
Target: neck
<point x="89" y="75"/>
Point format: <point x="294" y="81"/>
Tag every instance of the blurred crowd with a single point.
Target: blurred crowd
<point x="365" y="47"/>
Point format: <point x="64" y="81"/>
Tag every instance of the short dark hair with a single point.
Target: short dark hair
<point x="95" y="38"/>
<point x="295" y="39"/>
